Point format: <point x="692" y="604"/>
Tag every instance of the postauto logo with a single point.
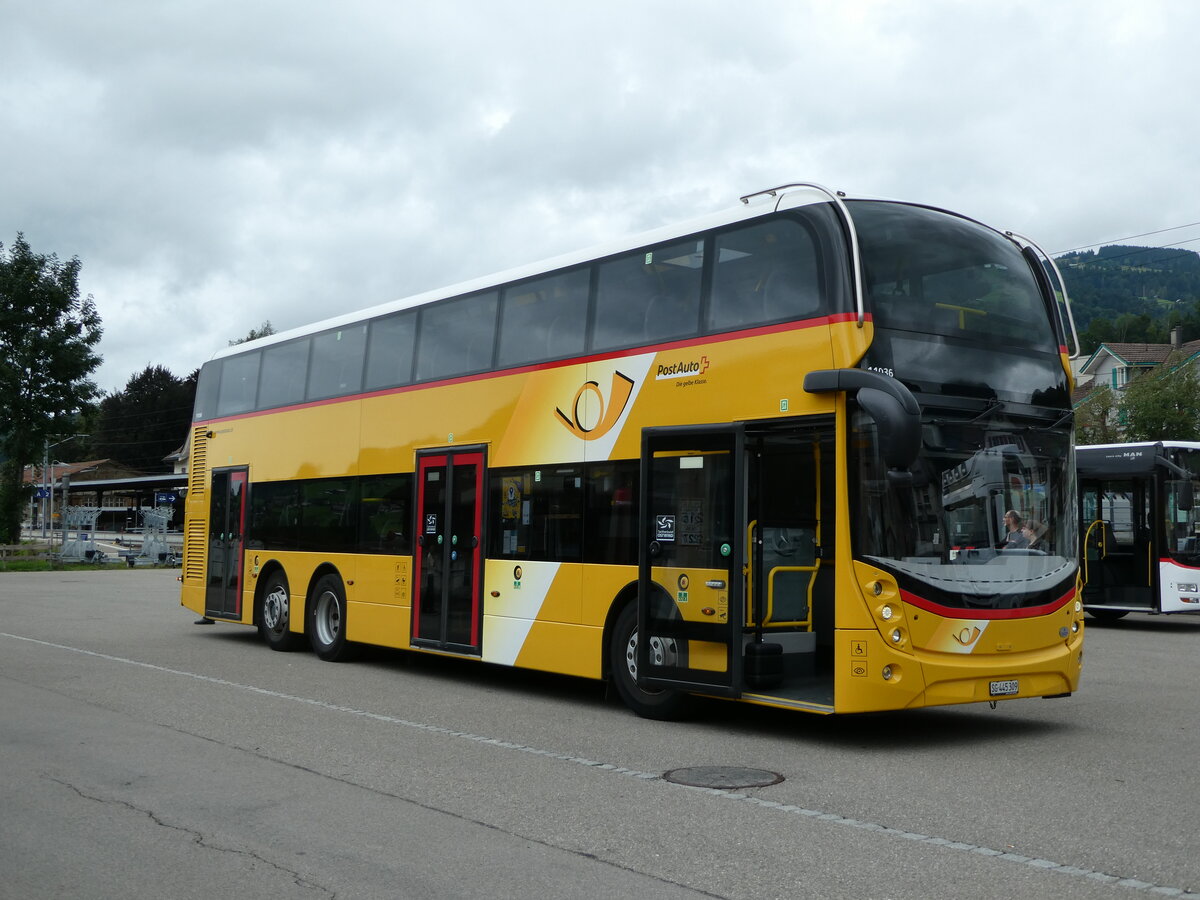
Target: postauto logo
<point x="682" y="368"/>
<point x="591" y="416"/>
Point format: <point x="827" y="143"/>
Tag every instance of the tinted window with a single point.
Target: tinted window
<point x="275" y="515"/>
<point x="337" y="360"/>
<point x="765" y="273"/>
<point x="544" y="319"/>
<point x="390" y="351"/>
<point x="283" y="372"/>
<point x="537" y="514"/>
<point x="327" y="519"/>
<point x="385" y="514"/>
<point x="206" y="391"/>
<point x="457" y="336"/>
<point x="934" y="273"/>
<point x="611" y="513"/>
<point x="239" y="383"/>
<point x="648" y="296"/>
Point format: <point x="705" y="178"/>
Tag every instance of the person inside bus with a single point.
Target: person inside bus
<point x="1016" y="539"/>
<point x="1035" y="534"/>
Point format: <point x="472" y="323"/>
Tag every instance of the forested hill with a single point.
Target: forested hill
<point x="1123" y="293"/>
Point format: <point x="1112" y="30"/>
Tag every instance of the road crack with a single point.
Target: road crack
<point x="197" y="837"/>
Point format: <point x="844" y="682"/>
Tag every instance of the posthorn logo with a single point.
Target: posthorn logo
<point x="591" y="417"/>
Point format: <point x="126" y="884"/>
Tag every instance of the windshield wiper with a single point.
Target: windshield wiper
<point x="990" y="410"/>
<point x="993" y="406"/>
<point x="1054" y="426"/>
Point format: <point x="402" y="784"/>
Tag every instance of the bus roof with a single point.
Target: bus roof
<point x="1127" y="459"/>
<point x="752" y="206"/>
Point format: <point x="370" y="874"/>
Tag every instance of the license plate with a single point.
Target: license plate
<point x="1003" y="688"/>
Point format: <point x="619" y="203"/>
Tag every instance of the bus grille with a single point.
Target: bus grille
<point x="193" y="552"/>
<point x="194" y="543"/>
<point x="198" y="464"/>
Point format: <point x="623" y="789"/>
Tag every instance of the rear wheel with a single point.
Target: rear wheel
<point x="275" y="613"/>
<point x="327" y="619"/>
<point x="651" y="703"/>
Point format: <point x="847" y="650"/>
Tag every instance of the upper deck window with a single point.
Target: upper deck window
<point x="544" y="318"/>
<point x="456" y="337"/>
<point x="956" y="306"/>
<point x="239" y="384"/>
<point x="649" y="296"/>
<point x="337" y="362"/>
<point x="390" y="350"/>
<point x="935" y="273"/>
<point x="284" y="367"/>
<point x="765" y="273"/>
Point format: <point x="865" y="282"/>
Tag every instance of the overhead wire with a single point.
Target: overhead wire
<point x="1129" y="238"/>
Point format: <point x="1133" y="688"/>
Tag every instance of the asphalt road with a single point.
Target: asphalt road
<point x="144" y="756"/>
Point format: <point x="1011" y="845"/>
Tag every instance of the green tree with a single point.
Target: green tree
<point x="48" y="337"/>
<point x="264" y="330"/>
<point x="145" y="421"/>
<point x="1163" y="404"/>
<point x="1096" y="417"/>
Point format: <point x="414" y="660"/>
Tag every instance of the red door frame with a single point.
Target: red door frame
<point x="450" y="460"/>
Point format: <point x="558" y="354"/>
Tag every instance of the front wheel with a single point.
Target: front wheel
<point x="275" y="613"/>
<point x="650" y="703"/>
<point x="327" y="619"/>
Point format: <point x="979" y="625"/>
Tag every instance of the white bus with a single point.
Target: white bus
<point x="1140" y="527"/>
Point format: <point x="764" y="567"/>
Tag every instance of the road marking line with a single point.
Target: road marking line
<point x="723" y="793"/>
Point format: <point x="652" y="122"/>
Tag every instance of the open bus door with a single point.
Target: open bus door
<point x="691" y="559"/>
<point x="1119" y="564"/>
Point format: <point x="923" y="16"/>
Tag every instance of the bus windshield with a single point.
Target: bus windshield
<point x="939" y="286"/>
<point x="1182" y="516"/>
<point x="988" y="521"/>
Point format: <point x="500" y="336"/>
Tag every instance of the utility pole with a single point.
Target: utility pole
<point x="48" y="480"/>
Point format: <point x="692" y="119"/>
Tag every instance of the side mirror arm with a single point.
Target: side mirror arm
<point x="886" y="400"/>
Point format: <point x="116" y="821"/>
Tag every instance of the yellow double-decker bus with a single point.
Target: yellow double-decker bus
<point x="766" y="456"/>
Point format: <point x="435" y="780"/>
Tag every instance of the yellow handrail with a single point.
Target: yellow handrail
<point x="1087" y="536"/>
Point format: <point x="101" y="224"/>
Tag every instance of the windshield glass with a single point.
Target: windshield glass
<point x="939" y="287"/>
<point x="988" y="522"/>
<point x="1180" y="506"/>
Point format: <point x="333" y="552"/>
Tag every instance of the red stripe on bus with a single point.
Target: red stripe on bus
<point x="949" y="612"/>
<point x="1167" y="559"/>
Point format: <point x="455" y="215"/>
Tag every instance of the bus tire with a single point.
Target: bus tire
<point x="327" y="619"/>
<point x="1107" y="615"/>
<point x="650" y="703"/>
<point x="274" y="614"/>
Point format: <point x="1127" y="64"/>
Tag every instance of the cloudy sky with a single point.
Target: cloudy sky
<point x="216" y="164"/>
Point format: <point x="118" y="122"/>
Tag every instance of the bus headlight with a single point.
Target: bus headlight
<point x="886" y="613"/>
<point x="897" y="636"/>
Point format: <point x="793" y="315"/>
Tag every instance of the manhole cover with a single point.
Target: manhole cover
<point x="722" y="777"/>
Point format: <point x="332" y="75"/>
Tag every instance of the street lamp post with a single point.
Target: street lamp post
<point x="48" y="480"/>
